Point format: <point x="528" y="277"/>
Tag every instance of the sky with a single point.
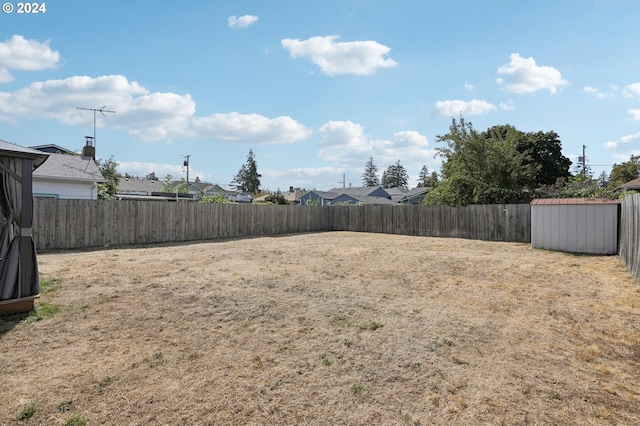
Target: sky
<point x="315" y="88"/>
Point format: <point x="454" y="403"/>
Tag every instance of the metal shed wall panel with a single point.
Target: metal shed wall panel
<point x="576" y="228"/>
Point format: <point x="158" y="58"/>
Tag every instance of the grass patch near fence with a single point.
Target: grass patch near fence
<point x="323" y="329"/>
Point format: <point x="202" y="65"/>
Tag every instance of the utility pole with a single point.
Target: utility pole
<point x="344" y="180"/>
<point x="101" y="111"/>
<point x="584" y="162"/>
<point x="186" y="164"/>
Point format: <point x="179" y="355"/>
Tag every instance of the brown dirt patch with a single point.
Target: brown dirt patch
<point x="328" y="329"/>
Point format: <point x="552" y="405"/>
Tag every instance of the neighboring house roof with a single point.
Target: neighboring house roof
<point x="360" y="199"/>
<point x="291" y="197"/>
<point x="294" y="197"/>
<point x="135" y="186"/>
<point x="632" y="185"/>
<point x="396" y="191"/>
<point x="327" y="195"/>
<point x="69" y="167"/>
<point x="413" y="194"/>
<point x="362" y="191"/>
<point x="53" y="149"/>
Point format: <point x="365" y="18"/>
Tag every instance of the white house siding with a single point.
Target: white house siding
<point x="65" y="189"/>
<point x="578" y="228"/>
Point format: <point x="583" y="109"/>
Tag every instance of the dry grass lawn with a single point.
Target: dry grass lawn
<point x="326" y="329"/>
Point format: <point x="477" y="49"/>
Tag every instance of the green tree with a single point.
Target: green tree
<point x="216" y="199"/>
<point x="395" y="176"/>
<point x="482" y="168"/>
<point x="107" y="189"/>
<point x="426" y="179"/>
<point x="625" y="172"/>
<point x="276" y="199"/>
<point x="171" y="185"/>
<point x="248" y="179"/>
<point x="370" y="174"/>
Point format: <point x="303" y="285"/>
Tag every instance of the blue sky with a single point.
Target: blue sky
<point x="315" y="88"/>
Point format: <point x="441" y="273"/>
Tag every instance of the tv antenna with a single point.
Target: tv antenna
<point x="101" y="111"/>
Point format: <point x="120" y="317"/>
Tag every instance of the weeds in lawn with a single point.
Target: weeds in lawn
<point x="49" y="285"/>
<point x="443" y="341"/>
<point x="63" y="407"/>
<point x="273" y="386"/>
<point x="348" y="342"/>
<point x="373" y="325"/>
<point x="158" y="359"/>
<point x="554" y="394"/>
<point x="27" y="411"/>
<point x="326" y="361"/>
<point x="341" y="320"/>
<point x="104" y="383"/>
<point x="357" y="388"/>
<point x="42" y="311"/>
<point x="257" y="361"/>
<point x="76" y="420"/>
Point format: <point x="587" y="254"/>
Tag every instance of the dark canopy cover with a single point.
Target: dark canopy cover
<point x="18" y="262"/>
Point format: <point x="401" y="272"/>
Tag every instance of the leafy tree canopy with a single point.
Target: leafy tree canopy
<point x="625" y="172"/>
<point x="482" y="168"/>
<point x="542" y="150"/>
<point x="107" y="189"/>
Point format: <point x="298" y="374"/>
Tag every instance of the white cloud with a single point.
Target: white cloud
<point x="18" y="53"/>
<point x="634" y="113"/>
<point x="253" y="128"/>
<point x="631" y="90"/>
<point x="333" y="58"/>
<point x="522" y="75"/>
<point x="241" y="21"/>
<point x="624" y="140"/>
<point x="507" y="106"/>
<point x="599" y="94"/>
<point x="457" y="107"/>
<point x="593" y="92"/>
<point x="148" y="116"/>
<point x="345" y="143"/>
<point x="469" y="86"/>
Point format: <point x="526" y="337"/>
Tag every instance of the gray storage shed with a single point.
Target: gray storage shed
<point x="577" y="225"/>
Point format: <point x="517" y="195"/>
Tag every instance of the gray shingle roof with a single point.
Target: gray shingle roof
<point x="70" y="167"/>
<point x="139" y="186"/>
<point x="362" y="191"/>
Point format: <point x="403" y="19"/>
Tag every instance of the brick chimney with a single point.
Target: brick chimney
<point x="89" y="149"/>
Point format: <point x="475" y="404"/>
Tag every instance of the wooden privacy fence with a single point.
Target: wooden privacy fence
<point x="64" y="224"/>
<point x="629" y="234"/>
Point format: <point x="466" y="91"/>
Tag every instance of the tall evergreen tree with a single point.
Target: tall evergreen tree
<point x="369" y="176"/>
<point x="395" y="176"/>
<point x="248" y="179"/>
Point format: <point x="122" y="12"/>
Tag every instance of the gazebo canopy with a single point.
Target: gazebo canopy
<point x="18" y="262"/>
